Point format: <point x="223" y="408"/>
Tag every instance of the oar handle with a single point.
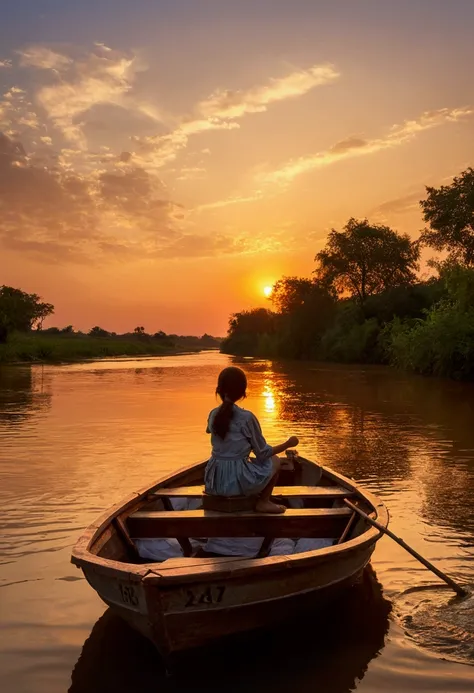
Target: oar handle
<point x="457" y="588"/>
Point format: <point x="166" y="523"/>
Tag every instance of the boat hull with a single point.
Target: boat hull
<point x="186" y="603"/>
<point x="191" y="615"/>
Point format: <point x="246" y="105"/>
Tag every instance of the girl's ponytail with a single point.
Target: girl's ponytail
<point x="231" y="387"/>
<point x="222" y="419"/>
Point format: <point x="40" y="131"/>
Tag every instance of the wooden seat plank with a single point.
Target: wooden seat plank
<point x="305" y="522"/>
<point x="287" y="491"/>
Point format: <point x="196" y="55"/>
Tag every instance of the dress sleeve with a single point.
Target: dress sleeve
<point x="208" y="427"/>
<point x="252" y="431"/>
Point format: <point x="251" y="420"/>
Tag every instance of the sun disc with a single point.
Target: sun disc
<point x="267" y="290"/>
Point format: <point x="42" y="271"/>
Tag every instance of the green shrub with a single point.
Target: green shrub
<point x="357" y="344"/>
<point x="442" y="345"/>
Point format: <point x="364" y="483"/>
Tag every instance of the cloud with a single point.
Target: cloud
<point x="232" y="104"/>
<point x="52" y="213"/>
<point x="209" y="245"/>
<point x="158" y="150"/>
<point x="75" y="85"/>
<point x="222" y="109"/>
<point x="400" y="205"/>
<point x="235" y="200"/>
<point x="348" y="145"/>
<point x="5" y="64"/>
<point x="17" y="113"/>
<point x="43" y="58"/>
<point x="63" y="199"/>
<point x="191" y="173"/>
<point x="355" y="146"/>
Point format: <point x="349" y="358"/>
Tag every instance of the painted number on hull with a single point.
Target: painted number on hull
<point x="211" y="595"/>
<point x="128" y="595"/>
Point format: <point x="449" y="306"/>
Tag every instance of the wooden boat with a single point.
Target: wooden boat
<point x="186" y="602"/>
<point x="114" y="658"/>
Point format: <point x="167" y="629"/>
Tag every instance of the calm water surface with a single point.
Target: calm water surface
<point x="75" y="439"/>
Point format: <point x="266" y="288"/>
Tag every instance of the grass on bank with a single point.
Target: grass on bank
<point x="33" y="346"/>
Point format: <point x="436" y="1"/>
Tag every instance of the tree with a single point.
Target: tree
<point x="98" y="332"/>
<point x="290" y="293"/>
<point x="306" y="308"/>
<point x="139" y="330"/>
<point x="246" y="330"/>
<point x="257" y="321"/>
<point x="365" y="259"/>
<point x="21" y="311"/>
<point x="449" y="211"/>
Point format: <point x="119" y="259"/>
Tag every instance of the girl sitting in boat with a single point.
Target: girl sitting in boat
<point x="236" y="432"/>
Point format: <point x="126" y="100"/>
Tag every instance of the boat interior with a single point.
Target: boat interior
<point x="179" y="513"/>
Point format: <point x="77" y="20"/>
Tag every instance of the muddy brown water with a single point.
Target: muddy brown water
<point x="75" y="438"/>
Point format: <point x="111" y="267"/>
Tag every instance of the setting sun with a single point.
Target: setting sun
<point x="267" y="290"/>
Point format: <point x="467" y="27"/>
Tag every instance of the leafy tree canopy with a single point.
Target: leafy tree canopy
<point x="21" y="311"/>
<point x="449" y="211"/>
<point x="365" y="259"/>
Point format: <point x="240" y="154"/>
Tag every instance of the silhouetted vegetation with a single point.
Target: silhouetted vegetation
<point x="23" y="339"/>
<point x="449" y="212"/>
<point x="56" y="344"/>
<point x="365" y="259"/>
<point x="20" y="311"/>
<point x="366" y="302"/>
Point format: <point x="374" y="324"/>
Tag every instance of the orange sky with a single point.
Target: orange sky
<point x="175" y="160"/>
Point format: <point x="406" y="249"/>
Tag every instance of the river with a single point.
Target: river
<point x="76" y="438"/>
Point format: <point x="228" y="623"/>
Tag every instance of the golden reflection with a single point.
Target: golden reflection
<point x="270" y="399"/>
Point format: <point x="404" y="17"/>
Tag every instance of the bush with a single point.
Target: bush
<point x="357" y="343"/>
<point x="443" y="343"/>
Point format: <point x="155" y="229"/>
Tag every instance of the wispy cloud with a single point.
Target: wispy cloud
<point x="191" y="173"/>
<point x="356" y="146"/>
<point x="156" y="151"/>
<point x="400" y="205"/>
<point x="5" y="64"/>
<point x="43" y="58"/>
<point x="17" y="114"/>
<point x="224" y="108"/>
<point x="235" y="200"/>
<point x="230" y="104"/>
<point x="77" y="84"/>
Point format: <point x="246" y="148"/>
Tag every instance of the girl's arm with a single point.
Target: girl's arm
<point x="290" y="443"/>
<point x="260" y="446"/>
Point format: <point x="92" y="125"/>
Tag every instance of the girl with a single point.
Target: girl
<point x="234" y="433"/>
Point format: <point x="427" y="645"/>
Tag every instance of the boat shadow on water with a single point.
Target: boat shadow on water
<point x="331" y="650"/>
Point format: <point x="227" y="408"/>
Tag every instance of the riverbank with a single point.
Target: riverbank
<point x="46" y="348"/>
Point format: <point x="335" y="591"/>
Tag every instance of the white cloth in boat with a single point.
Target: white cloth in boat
<point x="229" y="471"/>
<point x="161" y="549"/>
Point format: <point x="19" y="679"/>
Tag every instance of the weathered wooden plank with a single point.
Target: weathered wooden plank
<point x="123" y="532"/>
<point x="307" y="522"/>
<point x="287" y="491"/>
<point x="183" y="541"/>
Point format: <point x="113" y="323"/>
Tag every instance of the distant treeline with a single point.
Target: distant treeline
<point x="366" y="302"/>
<point x="22" y="337"/>
<point x="207" y="341"/>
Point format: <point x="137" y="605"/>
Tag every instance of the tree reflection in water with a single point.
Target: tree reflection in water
<point x="24" y="391"/>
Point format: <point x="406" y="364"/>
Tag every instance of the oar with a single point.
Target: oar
<point x="462" y="591"/>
